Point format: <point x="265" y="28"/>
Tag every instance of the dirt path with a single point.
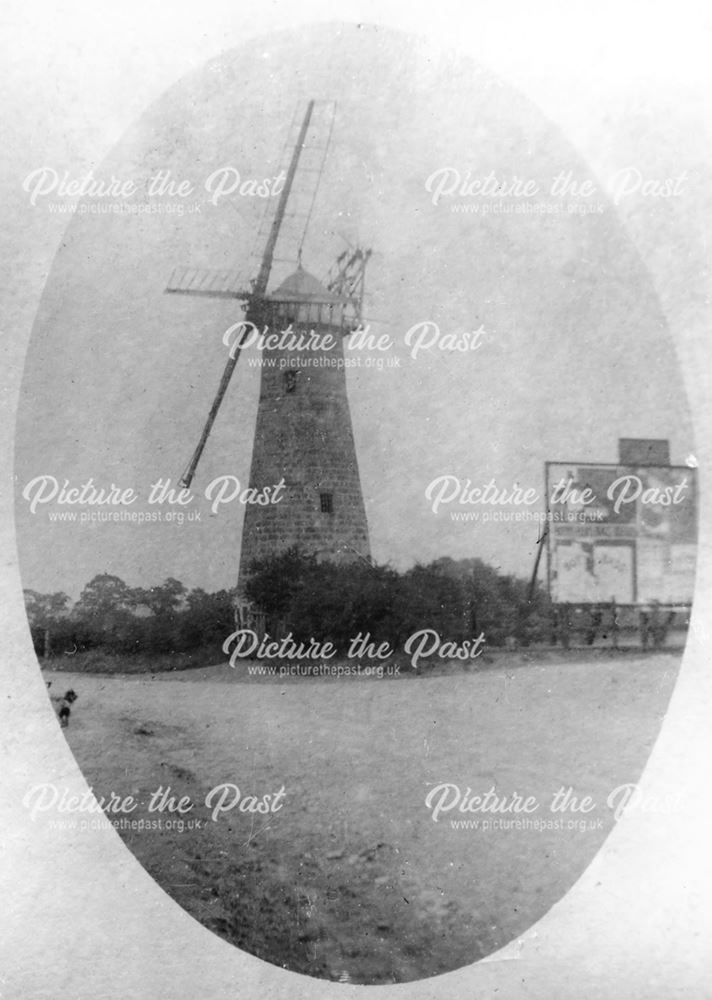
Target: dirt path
<point x="351" y="878"/>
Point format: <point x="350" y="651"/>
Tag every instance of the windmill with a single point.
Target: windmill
<point x="303" y="432"/>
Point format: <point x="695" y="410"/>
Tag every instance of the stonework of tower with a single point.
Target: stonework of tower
<point x="303" y="435"/>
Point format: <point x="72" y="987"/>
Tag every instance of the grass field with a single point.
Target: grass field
<point x="351" y="878"/>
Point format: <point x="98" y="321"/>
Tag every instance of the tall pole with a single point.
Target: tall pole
<point x="540" y="549"/>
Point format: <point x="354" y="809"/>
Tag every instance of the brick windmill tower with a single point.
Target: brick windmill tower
<point x="303" y="430"/>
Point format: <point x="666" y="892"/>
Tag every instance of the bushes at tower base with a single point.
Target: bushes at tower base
<point x="335" y="602"/>
<point x="324" y="601"/>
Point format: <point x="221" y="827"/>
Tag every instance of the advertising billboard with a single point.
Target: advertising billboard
<point x="621" y="533"/>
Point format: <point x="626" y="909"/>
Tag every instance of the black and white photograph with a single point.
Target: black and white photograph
<point x="357" y="379"/>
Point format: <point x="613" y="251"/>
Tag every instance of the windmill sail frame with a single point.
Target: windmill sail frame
<point x="253" y="299"/>
<point x="346" y="279"/>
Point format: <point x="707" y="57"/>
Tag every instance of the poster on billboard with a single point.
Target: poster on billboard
<point x="621" y="533"/>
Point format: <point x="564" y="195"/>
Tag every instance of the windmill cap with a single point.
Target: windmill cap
<point x="302" y="287"/>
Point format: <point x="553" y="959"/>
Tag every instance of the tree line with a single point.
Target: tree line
<point x="125" y="620"/>
<point x="295" y="593"/>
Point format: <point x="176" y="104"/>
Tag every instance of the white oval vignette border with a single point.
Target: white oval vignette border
<point x="82" y="918"/>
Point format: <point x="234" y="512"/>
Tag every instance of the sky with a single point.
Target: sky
<point x="574" y="352"/>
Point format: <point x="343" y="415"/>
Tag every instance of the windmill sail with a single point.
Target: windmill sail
<point x="297" y="213"/>
<point x="346" y="279"/>
<point x="207" y="281"/>
<point x="204" y="282"/>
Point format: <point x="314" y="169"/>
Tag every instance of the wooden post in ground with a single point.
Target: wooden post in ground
<point x="564" y="625"/>
<point x="644" y="623"/>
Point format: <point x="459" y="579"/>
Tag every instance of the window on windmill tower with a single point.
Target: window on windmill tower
<point x="327" y="503"/>
<point x="290" y="381"/>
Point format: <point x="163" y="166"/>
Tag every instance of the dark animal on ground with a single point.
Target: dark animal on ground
<point x="63" y="706"/>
